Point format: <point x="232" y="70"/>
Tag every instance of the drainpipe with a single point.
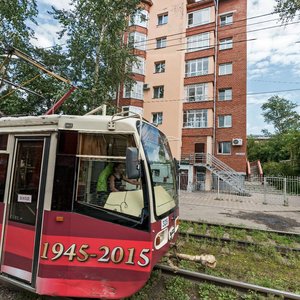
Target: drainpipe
<point x="215" y="75"/>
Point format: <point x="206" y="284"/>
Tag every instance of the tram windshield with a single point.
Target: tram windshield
<point x="162" y="169"/>
<point x="102" y="182"/>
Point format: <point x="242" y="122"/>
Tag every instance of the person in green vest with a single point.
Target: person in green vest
<point x="102" y="190"/>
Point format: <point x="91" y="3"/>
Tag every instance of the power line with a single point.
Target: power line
<point x="212" y="27"/>
<point x="184" y="100"/>
<point x="271" y="92"/>
<point x="275" y="81"/>
<point x="260" y="29"/>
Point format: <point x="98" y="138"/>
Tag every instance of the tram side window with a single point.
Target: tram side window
<point x="102" y="185"/>
<point x="3" y="141"/>
<point x="65" y="171"/>
<point x="3" y="170"/>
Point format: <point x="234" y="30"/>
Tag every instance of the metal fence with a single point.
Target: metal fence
<point x="281" y="186"/>
<point x="267" y="190"/>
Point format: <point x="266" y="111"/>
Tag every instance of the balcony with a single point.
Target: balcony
<point x="189" y="2"/>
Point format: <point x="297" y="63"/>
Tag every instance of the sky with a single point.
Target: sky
<point x="273" y="56"/>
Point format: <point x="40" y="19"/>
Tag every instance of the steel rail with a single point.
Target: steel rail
<point x="239" y="285"/>
<point x="242" y="243"/>
<point x="287" y="233"/>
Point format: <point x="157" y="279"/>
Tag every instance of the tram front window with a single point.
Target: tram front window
<point x="102" y="184"/>
<point x="162" y="169"/>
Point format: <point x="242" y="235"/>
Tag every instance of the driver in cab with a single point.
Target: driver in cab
<point x="115" y="180"/>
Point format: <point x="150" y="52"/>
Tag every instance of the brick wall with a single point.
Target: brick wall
<point x="237" y="81"/>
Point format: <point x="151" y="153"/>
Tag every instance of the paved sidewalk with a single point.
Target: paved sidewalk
<point x="244" y="211"/>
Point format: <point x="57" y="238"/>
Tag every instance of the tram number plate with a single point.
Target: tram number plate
<point x="164" y="222"/>
<point x="116" y="255"/>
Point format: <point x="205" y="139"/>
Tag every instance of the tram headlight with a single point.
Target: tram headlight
<point x="177" y="222"/>
<point x="161" y="239"/>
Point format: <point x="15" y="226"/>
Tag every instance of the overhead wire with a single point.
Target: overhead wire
<point x="254" y="30"/>
<point x="228" y="27"/>
<point x="21" y="85"/>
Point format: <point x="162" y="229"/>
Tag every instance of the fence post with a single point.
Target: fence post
<point x="285" y="199"/>
<point x="179" y="180"/>
<point x="218" y="187"/>
<point x="265" y="190"/>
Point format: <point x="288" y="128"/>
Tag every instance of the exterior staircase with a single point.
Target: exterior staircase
<point x="222" y="171"/>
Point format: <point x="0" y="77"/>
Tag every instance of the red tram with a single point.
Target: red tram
<point x="63" y="232"/>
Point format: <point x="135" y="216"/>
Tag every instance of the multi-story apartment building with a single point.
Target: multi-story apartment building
<point x="191" y="80"/>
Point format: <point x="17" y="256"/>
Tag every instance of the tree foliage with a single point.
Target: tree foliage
<point x="287" y="9"/>
<point x="280" y="112"/>
<point x="98" y="58"/>
<point x="95" y="57"/>
<point x="14" y="18"/>
<point x="279" y="152"/>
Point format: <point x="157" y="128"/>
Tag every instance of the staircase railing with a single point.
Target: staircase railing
<point x="219" y="168"/>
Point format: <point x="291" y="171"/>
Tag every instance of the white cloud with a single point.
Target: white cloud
<point x="59" y="4"/>
<point x="46" y="35"/>
<point x="277" y="45"/>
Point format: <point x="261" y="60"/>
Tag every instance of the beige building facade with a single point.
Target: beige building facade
<point x="191" y="79"/>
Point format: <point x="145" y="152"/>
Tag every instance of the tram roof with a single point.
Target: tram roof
<point x="66" y="122"/>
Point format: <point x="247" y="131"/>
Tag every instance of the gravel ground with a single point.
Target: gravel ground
<point x="12" y="293"/>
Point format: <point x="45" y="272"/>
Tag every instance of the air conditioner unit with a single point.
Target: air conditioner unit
<point x="237" y="142"/>
<point x="146" y="86"/>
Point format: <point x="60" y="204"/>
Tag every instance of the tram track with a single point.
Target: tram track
<point x="241" y="243"/>
<point x="248" y="229"/>
<point x="224" y="282"/>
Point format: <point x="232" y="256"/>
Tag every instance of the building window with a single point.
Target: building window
<point x="225" y="94"/>
<point x="226" y="19"/>
<point x="137" y="40"/>
<point x="225" y="44"/>
<point x="196" y="67"/>
<point x="160" y="67"/>
<point x="162" y="19"/>
<point x="196" y="92"/>
<point x="157" y="118"/>
<point x="198" y="42"/>
<point x="140" y="18"/>
<point x="158" y="92"/>
<point x="199" y="17"/>
<point x="224" y="148"/>
<point x="132" y="110"/>
<point x="138" y="66"/>
<point x="195" y="118"/>
<point x="225" y="69"/>
<point x="225" y="121"/>
<point x="134" y="91"/>
<point x="161" y="42"/>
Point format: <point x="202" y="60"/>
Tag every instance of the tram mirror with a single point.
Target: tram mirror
<point x="133" y="170"/>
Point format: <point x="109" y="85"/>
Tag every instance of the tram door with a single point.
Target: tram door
<point x="25" y="207"/>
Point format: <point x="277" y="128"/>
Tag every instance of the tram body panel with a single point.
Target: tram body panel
<point x="109" y="260"/>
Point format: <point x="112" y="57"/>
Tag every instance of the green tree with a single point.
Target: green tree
<point x="280" y="112"/>
<point x="287" y="9"/>
<point x="16" y="20"/>
<point x="15" y="15"/>
<point x="99" y="59"/>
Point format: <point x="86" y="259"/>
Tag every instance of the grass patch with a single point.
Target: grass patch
<point x="262" y="266"/>
<point x="256" y="236"/>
